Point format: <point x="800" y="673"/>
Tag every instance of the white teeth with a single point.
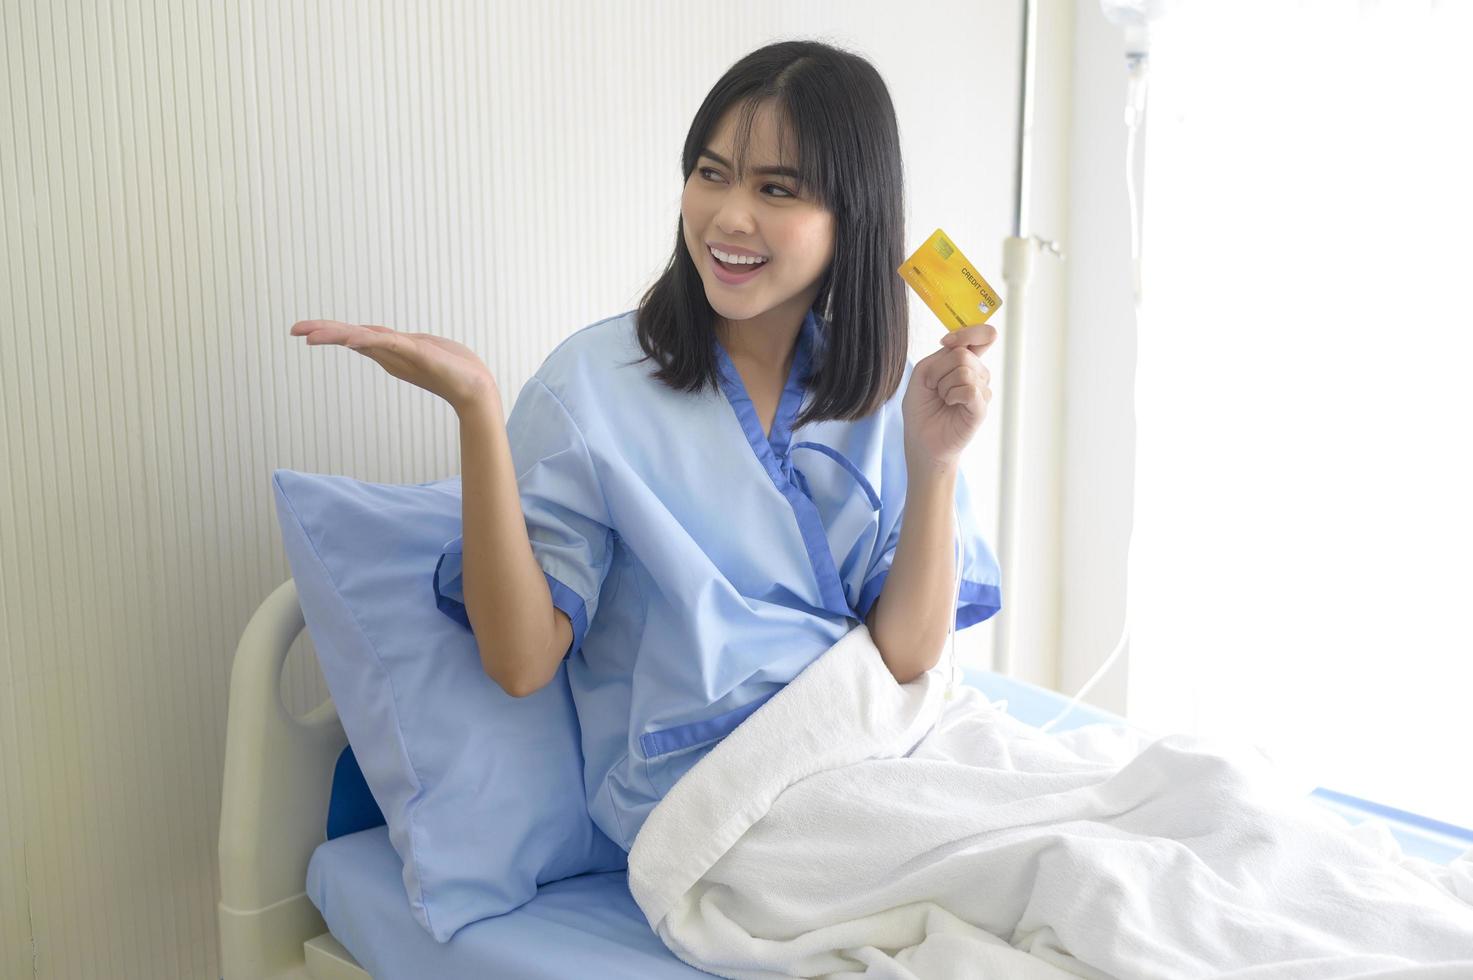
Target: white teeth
<point x="736" y="259"/>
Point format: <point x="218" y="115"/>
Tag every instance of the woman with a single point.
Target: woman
<point x="689" y="537"/>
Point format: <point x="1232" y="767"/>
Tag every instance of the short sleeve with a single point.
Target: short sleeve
<point x="563" y="505"/>
<point x="981" y="594"/>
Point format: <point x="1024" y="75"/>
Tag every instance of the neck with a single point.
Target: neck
<point x="767" y="341"/>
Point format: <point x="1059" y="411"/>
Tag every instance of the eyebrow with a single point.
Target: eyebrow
<point x="778" y="171"/>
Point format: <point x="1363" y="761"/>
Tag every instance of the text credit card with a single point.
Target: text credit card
<point x="950" y="285"/>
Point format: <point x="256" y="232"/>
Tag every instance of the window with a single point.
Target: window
<point x="1302" y="567"/>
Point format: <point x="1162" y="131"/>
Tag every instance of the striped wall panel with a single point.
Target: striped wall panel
<point x="179" y="183"/>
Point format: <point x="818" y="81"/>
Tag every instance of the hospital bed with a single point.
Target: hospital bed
<point x="311" y="887"/>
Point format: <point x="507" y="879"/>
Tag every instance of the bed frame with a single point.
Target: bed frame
<point x="273" y="812"/>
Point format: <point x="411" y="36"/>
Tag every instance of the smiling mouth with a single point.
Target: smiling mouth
<point x="732" y="271"/>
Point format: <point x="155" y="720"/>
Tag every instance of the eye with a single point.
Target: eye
<point x="703" y="171"/>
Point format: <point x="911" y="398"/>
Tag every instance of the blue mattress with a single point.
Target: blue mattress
<point x="590" y="926"/>
<point x="586" y="926"/>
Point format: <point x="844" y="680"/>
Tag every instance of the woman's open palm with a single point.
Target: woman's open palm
<point x="439" y="365"/>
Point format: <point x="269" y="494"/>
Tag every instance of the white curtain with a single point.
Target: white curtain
<point x="1302" y="567"/>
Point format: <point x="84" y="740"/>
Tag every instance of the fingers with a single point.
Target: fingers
<point x="958" y="376"/>
<point x="309" y="327"/>
<point x="978" y="338"/>
<point x="936" y="364"/>
<point x="958" y="396"/>
<point x="322" y="331"/>
<point x="964" y="394"/>
<point x="958" y="369"/>
<point x="964" y="382"/>
<point x="354" y="335"/>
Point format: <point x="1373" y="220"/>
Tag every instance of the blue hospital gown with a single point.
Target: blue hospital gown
<point x="703" y="564"/>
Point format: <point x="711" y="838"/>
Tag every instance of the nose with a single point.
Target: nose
<point x="734" y="217"/>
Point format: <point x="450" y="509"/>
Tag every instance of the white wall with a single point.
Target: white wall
<point x="184" y="181"/>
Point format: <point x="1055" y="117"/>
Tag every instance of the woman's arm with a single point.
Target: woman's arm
<point x="520" y="634"/>
<point x="910" y="617"/>
<point x="943" y="406"/>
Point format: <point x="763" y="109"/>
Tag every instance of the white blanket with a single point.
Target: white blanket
<point x="853" y="826"/>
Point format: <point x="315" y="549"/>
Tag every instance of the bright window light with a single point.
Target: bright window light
<point x="1302" y="568"/>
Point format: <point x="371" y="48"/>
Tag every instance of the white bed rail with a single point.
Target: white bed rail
<point x="273" y="812"/>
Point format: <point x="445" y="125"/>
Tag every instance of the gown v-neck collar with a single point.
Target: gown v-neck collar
<point x="775" y="442"/>
<point x="773" y="451"/>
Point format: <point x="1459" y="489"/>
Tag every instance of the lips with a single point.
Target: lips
<point x="730" y="277"/>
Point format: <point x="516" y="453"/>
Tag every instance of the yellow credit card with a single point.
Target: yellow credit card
<point x="951" y="286"/>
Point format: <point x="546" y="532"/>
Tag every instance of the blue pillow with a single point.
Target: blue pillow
<point x="482" y="792"/>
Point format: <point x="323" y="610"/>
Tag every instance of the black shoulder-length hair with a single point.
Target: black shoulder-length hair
<point x="849" y="160"/>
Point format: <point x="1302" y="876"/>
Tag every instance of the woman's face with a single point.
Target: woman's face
<point x="765" y="214"/>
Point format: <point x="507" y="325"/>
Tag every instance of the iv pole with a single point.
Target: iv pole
<point x="1017" y="270"/>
